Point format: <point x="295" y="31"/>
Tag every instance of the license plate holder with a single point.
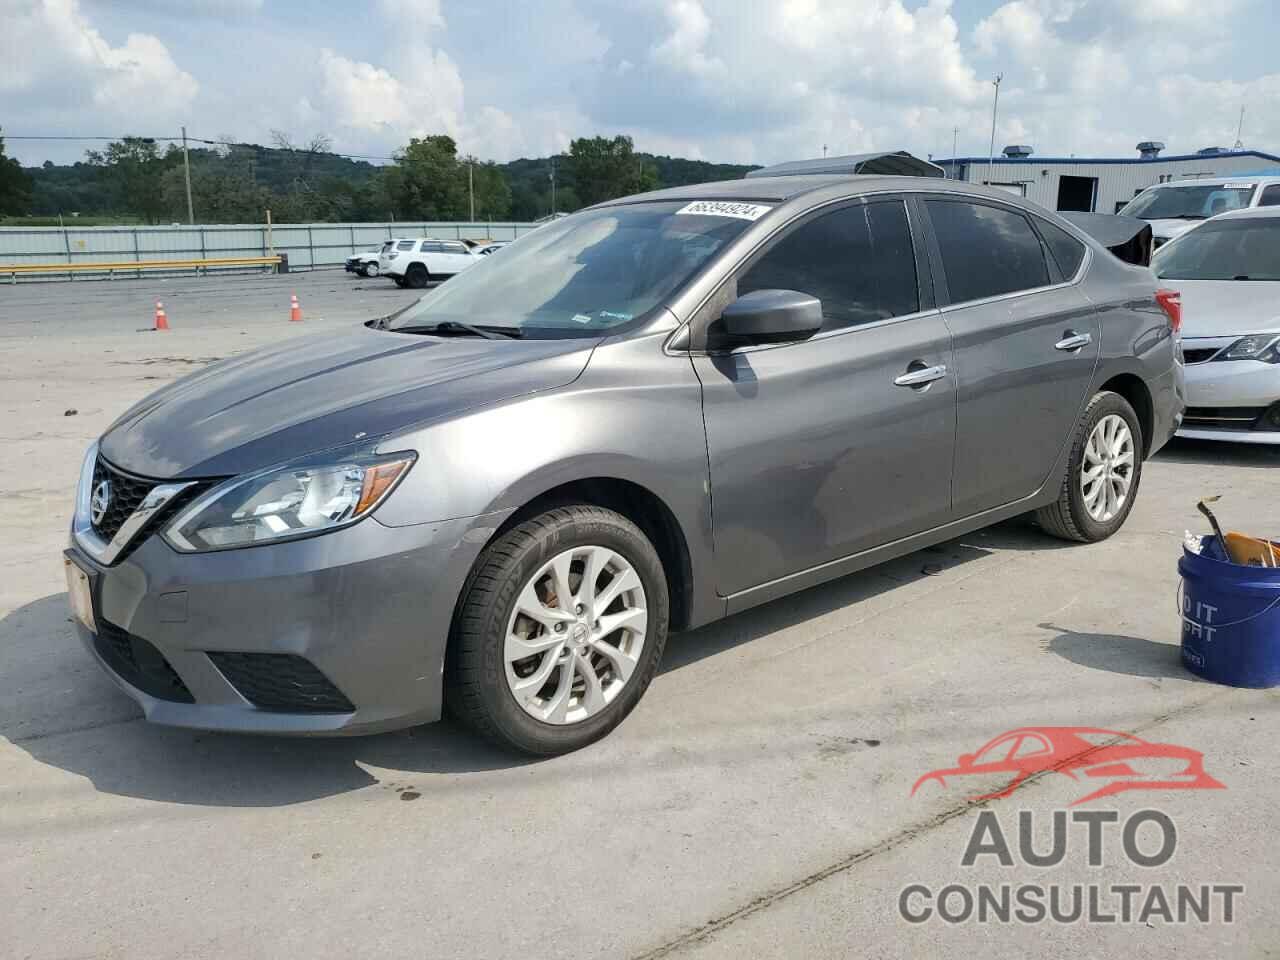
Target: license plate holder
<point x="80" y="593"/>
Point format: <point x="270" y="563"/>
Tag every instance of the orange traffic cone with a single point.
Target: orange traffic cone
<point x="295" y="311"/>
<point x="162" y="321"/>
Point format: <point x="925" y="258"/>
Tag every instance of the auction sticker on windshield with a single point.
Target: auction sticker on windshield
<point x="723" y="208"/>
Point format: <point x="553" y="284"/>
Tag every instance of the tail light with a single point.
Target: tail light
<point x="1171" y="303"/>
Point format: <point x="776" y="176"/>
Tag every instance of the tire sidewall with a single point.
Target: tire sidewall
<point x="508" y="716"/>
<point x="1104" y="405"/>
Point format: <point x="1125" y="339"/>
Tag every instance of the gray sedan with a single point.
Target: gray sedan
<point x="636" y="420"/>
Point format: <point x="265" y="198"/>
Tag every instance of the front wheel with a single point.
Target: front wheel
<point x="560" y="630"/>
<point x="370" y="269"/>
<point x="1103" y="473"/>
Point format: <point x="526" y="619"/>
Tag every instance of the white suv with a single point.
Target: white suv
<point x="415" y="263"/>
<point x="1174" y="208"/>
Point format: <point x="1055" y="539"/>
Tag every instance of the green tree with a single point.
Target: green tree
<point x="132" y="169"/>
<point x="15" y="185"/>
<point x="603" y="169"/>
<point x="220" y="193"/>
<point x="492" y="192"/>
<point x="428" y="183"/>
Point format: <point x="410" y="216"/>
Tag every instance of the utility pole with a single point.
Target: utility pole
<point x="186" y="171"/>
<point x="471" y="185"/>
<point x="824" y="151"/>
<point x="955" y="146"/>
<point x="995" y="106"/>
<point x="1240" y="130"/>
<point x="553" y="186"/>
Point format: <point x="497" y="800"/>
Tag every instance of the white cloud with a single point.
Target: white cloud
<point x="683" y="48"/>
<point x="49" y="52"/>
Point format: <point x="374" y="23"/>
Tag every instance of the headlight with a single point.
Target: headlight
<point x="286" y="503"/>
<point x="1264" y="347"/>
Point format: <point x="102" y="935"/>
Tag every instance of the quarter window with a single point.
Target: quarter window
<point x="1270" y="196"/>
<point x="404" y="245"/>
<point x="986" y="250"/>
<point x="1066" y="249"/>
<point x="857" y="260"/>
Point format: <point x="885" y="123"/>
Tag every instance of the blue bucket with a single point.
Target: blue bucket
<point x="1230" y="618"/>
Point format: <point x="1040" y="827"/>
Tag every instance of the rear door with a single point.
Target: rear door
<point x="1026" y="344"/>
<point x="827" y="447"/>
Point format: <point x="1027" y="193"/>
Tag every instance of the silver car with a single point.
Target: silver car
<point x="1228" y="273"/>
<point x="637" y="420"/>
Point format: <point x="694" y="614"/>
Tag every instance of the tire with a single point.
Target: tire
<point x="1077" y="516"/>
<point x="483" y="667"/>
<point x="371" y="270"/>
<point x="417" y="276"/>
<point x="401" y="282"/>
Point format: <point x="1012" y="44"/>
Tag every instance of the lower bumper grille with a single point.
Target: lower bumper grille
<point x="1223" y="418"/>
<point x="281" y="682"/>
<point x="140" y="664"/>
<point x="1199" y="354"/>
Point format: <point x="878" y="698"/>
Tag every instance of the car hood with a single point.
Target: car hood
<point x="311" y="394"/>
<point x="1168" y="229"/>
<point x="1221" y="308"/>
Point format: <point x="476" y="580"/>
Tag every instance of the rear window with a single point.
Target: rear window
<point x="1231" y="249"/>
<point x="986" y="250"/>
<point x="1066" y="249"/>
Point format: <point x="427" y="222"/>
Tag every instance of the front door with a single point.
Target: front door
<point x="1026" y="346"/>
<point x="827" y="447"/>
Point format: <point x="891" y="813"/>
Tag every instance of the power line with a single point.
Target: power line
<point x="207" y="142"/>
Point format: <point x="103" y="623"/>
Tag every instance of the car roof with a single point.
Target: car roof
<point x="780" y="189"/>
<point x="1251" y="179"/>
<point x="1246" y="213"/>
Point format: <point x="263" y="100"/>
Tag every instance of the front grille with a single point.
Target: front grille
<point x="1225" y="418"/>
<point x="127" y="494"/>
<point x="140" y="664"/>
<point x="281" y="682"/>
<point x="1199" y="354"/>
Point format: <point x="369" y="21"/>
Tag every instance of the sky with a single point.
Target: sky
<point x="725" y="80"/>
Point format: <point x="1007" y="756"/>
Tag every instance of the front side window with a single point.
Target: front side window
<point x="857" y="260"/>
<point x="1270" y="196"/>
<point x="1230" y="249"/>
<point x="986" y="251"/>
<point x="587" y="273"/>
<point x="454" y="248"/>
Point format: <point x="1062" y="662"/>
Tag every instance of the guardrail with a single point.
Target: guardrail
<point x="136" y="266"/>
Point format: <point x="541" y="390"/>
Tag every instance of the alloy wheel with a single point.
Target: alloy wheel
<point x="1106" y="472"/>
<point x="575" y="636"/>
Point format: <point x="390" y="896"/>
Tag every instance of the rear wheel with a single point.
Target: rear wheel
<point x="560" y="630"/>
<point x="1103" y="473"/>
<point x="400" y="281"/>
<point x="417" y="276"/>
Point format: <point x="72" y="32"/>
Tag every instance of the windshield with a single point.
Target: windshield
<point x="1197" y="202"/>
<point x="585" y="274"/>
<point x="1232" y="249"/>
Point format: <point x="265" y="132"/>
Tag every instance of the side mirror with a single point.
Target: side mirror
<point x="769" y="316"/>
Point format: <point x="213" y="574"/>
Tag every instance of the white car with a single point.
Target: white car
<point x="1228" y="272"/>
<point x="1175" y="207"/>
<point x="416" y="262"/>
<point x="364" y="263"/>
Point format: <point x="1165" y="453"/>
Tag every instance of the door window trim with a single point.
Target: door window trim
<point x="925" y="292"/>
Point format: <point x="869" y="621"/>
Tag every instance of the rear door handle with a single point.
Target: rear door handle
<point x="1074" y="341"/>
<point x="921" y="376"/>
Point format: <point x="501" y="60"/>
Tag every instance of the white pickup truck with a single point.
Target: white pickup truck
<point x="416" y="262"/>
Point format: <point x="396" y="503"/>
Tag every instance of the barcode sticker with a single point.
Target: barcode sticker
<point x="724" y="208"/>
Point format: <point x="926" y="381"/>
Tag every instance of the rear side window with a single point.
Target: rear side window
<point x="1270" y="196"/>
<point x="857" y="260"/>
<point x="404" y="245"/>
<point x="1066" y="249"/>
<point x="986" y="251"/>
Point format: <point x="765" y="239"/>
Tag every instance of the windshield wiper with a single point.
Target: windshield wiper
<point x="446" y="327"/>
<point x="1189" y="216"/>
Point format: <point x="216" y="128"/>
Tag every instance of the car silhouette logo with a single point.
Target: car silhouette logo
<point x="99" y="502"/>
<point x="1117" y="761"/>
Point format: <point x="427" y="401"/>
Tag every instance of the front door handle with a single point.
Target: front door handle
<point x="1074" y="341"/>
<point x="921" y="376"/>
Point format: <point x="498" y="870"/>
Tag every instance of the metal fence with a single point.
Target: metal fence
<point x="307" y="245"/>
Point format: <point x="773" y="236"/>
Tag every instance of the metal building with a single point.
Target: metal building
<point x="1101" y="184"/>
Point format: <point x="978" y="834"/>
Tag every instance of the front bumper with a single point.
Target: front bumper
<point x="359" y="615"/>
<point x="1233" y="400"/>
